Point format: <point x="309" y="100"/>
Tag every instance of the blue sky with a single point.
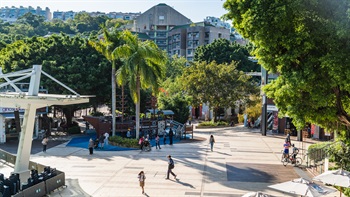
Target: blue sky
<point x="196" y="10"/>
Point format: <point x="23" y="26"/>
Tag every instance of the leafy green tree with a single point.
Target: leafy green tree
<point x="306" y="43"/>
<point x="171" y="95"/>
<point x="69" y="59"/>
<point x="219" y="85"/>
<point x="31" y="19"/>
<point x="223" y="51"/>
<point x="144" y="67"/>
<point x="106" y="45"/>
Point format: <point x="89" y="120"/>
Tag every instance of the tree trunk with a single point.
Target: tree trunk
<point x="214" y="114"/>
<point x="68" y="113"/>
<point x="113" y="98"/>
<point x="137" y="118"/>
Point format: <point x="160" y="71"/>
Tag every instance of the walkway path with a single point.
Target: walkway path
<point x="242" y="161"/>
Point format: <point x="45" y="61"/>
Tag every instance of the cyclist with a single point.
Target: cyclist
<point x="286" y="146"/>
<point x="295" y="152"/>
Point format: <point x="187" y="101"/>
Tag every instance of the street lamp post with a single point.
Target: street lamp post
<point x="264" y="104"/>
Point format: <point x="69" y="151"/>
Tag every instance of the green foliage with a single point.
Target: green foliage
<point x="69" y="59"/>
<point x="74" y="130"/>
<point x="178" y="104"/>
<point x="223" y="51"/>
<point x="219" y="85"/>
<point x="253" y="109"/>
<point x="124" y="142"/>
<point x="313" y="148"/>
<point x="213" y="124"/>
<point x="240" y="118"/>
<point x="306" y="43"/>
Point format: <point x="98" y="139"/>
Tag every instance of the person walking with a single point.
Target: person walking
<point x="91" y="146"/>
<point x="141" y="140"/>
<point x="171" y="166"/>
<point x="106" y="138"/>
<point x="142" y="178"/>
<point x="44" y="142"/>
<point x="211" y="141"/>
<point x="171" y="134"/>
<point x="157" y="142"/>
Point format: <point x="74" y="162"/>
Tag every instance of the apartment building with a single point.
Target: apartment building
<point x="184" y="40"/>
<point x="158" y="21"/>
<point x="11" y="14"/>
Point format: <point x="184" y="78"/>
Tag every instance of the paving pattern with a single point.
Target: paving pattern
<point x="242" y="161"/>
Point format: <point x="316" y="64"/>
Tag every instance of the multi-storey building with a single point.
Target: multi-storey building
<point x="158" y="21"/>
<point x="184" y="40"/>
<point x="11" y="14"/>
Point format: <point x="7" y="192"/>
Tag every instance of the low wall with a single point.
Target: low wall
<point x="40" y="189"/>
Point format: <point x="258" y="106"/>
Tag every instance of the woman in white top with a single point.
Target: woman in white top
<point x="142" y="178"/>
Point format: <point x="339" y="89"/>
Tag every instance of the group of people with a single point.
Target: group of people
<point x="142" y="177"/>
<point x="287" y="144"/>
<point x="145" y="140"/>
<point x="102" y="141"/>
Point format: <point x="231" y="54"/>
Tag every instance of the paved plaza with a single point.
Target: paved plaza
<point x="242" y="161"/>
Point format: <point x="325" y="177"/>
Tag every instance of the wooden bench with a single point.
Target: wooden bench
<point x="188" y="130"/>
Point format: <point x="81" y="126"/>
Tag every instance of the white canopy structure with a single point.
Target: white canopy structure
<point x="30" y="101"/>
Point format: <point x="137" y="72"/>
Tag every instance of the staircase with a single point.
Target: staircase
<point x="315" y="160"/>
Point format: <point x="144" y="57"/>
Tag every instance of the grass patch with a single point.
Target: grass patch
<point x="123" y="142"/>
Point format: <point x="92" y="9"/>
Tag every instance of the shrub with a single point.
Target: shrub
<point x="240" y="118"/>
<point x="314" y="147"/>
<point x="74" y="130"/>
<point x="124" y="142"/>
<point x="213" y="124"/>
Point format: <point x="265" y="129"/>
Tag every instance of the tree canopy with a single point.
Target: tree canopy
<point x="69" y="59"/>
<point x="307" y="43"/>
<point x="223" y="51"/>
<point x="219" y="85"/>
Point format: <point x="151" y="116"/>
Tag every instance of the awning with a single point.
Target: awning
<point x="165" y="112"/>
<point x="10" y="115"/>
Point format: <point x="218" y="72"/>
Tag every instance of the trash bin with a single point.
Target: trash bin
<point x="300" y="135"/>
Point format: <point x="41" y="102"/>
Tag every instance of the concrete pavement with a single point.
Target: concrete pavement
<point x="242" y="161"/>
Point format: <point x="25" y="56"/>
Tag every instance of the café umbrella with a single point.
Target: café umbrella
<point x="339" y="178"/>
<point x="302" y="187"/>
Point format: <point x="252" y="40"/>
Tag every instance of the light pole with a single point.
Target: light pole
<point x="264" y="80"/>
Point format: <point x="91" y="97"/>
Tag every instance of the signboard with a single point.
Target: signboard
<point x="9" y="110"/>
<point x="271" y="108"/>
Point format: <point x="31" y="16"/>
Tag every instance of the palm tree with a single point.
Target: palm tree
<point x="144" y="67"/>
<point x="106" y="45"/>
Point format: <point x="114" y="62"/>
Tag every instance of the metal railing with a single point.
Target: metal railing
<point x="178" y="128"/>
<point x="40" y="189"/>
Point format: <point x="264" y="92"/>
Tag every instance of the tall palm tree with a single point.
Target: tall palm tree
<point x="106" y="45"/>
<point x="144" y="67"/>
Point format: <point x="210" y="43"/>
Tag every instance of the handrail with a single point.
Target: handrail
<point x="318" y="154"/>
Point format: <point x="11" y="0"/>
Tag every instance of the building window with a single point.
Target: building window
<point x="189" y="43"/>
<point x="189" y="51"/>
<point x="193" y="35"/>
<point x="161" y="34"/>
<point x="161" y="17"/>
<point x="207" y="35"/>
<point x="219" y="35"/>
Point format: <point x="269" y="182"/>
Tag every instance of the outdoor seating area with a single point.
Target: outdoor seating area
<point x="42" y="181"/>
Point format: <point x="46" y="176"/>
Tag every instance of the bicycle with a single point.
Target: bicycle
<point x="289" y="159"/>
